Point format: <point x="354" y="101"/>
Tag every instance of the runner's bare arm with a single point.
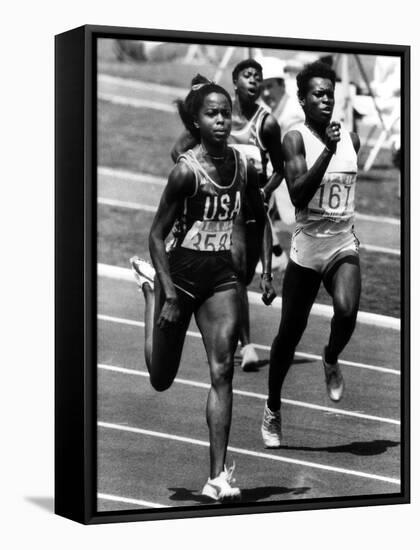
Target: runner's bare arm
<point x="254" y="198"/>
<point x="271" y="137"/>
<point x="267" y="247"/>
<point x="266" y="285"/>
<point x="263" y="229"/>
<point x="302" y="183"/>
<point x="355" y="140"/>
<point x="180" y="185"/>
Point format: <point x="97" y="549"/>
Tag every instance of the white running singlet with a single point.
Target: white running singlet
<point x="331" y="209"/>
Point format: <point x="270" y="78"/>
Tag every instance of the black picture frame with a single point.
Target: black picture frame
<point x="76" y="273"/>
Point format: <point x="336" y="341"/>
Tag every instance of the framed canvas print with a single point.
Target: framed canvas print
<point x="232" y="274"/>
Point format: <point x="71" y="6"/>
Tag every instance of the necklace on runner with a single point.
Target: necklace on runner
<point x="206" y="153"/>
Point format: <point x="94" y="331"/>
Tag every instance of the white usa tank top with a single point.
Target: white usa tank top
<point x="331" y="209"/>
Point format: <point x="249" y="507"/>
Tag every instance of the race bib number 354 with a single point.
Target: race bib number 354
<point x="209" y="236"/>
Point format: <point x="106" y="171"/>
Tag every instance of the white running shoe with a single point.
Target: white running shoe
<point x="220" y="488"/>
<point x="143" y="271"/>
<point x="271" y="428"/>
<point x="334" y="379"/>
<point x="249" y="358"/>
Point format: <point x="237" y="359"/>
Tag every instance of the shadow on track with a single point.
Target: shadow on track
<point x="265" y="362"/>
<point x="359" y="448"/>
<point x="248" y="495"/>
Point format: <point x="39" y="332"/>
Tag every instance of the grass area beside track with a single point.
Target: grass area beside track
<point x="122" y="233"/>
<point x="140" y="140"/>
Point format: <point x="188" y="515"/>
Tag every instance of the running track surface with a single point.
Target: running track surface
<point x="152" y="447"/>
<point x="330" y="450"/>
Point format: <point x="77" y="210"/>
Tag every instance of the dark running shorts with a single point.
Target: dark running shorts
<point x="199" y="275"/>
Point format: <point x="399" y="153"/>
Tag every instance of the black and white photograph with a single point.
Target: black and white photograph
<point x="250" y="215"/>
<point x="233" y="437"/>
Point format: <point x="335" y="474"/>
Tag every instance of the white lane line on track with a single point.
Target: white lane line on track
<point x="151" y="87"/>
<point x="156" y="180"/>
<point x="378" y="219"/>
<point x="247" y="452"/>
<point x="127" y="204"/>
<point x="150" y="178"/>
<point x="138" y="103"/>
<point x="243" y="393"/>
<point x="125" y="500"/>
<point x="175" y="92"/>
<point x="125" y="274"/>
<point x="144" y="178"/>
<point x="149" y="208"/>
<point x="132" y="323"/>
<point x="315" y="357"/>
<point x="381" y="249"/>
<point x="140" y="85"/>
<point x="131" y="176"/>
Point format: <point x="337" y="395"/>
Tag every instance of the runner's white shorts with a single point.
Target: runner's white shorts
<point x="321" y="253"/>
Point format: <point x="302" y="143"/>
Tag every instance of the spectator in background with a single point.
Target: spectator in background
<point x="386" y="85"/>
<point x="283" y="105"/>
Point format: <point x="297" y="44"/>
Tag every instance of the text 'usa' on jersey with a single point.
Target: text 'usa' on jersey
<point x="208" y="215"/>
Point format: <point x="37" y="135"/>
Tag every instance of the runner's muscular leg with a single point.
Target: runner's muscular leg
<point x="239" y="258"/>
<point x="300" y="287"/>
<point x="217" y="320"/>
<point x="344" y="285"/>
<point x="164" y="356"/>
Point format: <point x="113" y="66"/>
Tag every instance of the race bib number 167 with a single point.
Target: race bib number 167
<point x="334" y="198"/>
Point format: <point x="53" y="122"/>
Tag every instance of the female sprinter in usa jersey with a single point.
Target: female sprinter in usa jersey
<point x="194" y="272"/>
<point x="256" y="134"/>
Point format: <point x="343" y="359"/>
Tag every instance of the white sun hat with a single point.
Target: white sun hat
<point x="273" y="67"/>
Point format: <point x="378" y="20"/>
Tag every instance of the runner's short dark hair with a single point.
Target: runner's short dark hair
<point x="244" y="65"/>
<point x="316" y="69"/>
